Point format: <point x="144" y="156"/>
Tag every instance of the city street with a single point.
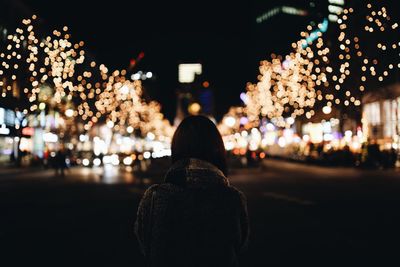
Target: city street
<point x="297" y="102"/>
<point x="300" y="216"/>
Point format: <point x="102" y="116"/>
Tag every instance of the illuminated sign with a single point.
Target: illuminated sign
<point x="187" y="72"/>
<point x="269" y="14"/>
<point x="293" y="11"/>
<point x="2" y="115"/>
<point x="4" y="130"/>
<point x="9" y="117"/>
<point x="284" y="9"/>
<point x="50" y="138"/>
<point x="335" y="8"/>
<point x="28" y="131"/>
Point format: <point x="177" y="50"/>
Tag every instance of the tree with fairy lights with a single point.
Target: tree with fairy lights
<point x="288" y="86"/>
<point x="368" y="49"/>
<point x="127" y="111"/>
<point x="365" y="55"/>
<point x="325" y="72"/>
<point x="42" y="73"/>
<point x="37" y="75"/>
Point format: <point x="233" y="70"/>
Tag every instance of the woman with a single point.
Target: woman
<point x="194" y="218"/>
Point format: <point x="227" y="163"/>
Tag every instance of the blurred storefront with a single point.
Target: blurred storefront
<point x="381" y="117"/>
<point x="8" y="137"/>
<point x="32" y="136"/>
<point x="329" y="137"/>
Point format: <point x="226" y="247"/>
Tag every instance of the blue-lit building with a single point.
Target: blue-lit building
<point x="195" y="93"/>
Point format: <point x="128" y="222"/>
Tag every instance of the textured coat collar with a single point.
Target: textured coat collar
<point x="195" y="173"/>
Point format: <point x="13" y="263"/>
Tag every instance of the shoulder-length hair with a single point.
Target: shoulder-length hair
<point x="198" y="137"/>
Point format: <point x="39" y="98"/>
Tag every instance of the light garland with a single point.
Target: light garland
<point x="287" y="87"/>
<point x="56" y="63"/>
<point x="290" y="86"/>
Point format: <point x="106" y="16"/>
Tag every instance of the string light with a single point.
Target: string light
<point x="58" y="73"/>
<point x="287" y="86"/>
<point x="290" y="86"/>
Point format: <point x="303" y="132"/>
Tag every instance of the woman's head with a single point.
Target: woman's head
<point x="198" y="137"/>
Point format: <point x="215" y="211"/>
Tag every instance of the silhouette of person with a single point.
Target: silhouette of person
<point x="195" y="217"/>
<point x="60" y="162"/>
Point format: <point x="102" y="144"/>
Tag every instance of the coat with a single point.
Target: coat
<point x="194" y="218"/>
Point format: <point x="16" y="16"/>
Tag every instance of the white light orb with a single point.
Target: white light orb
<point x="69" y="113"/>
<point x="230" y="121"/>
<point x="326" y="109"/>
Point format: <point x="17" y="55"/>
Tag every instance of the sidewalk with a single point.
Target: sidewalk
<point x="13" y="170"/>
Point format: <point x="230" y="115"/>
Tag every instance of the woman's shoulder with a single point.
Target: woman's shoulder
<point x="169" y="189"/>
<point x="237" y="193"/>
<point x="162" y="188"/>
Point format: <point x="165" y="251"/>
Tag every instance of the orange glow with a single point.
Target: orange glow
<point x="206" y="84"/>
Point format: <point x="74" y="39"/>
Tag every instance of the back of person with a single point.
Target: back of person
<point x="194" y="218"/>
<point x="196" y="225"/>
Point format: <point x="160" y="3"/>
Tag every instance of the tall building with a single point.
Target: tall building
<point x="194" y="95"/>
<point x="291" y="17"/>
<point x="313" y="10"/>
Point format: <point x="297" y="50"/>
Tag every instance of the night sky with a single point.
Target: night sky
<point x="223" y="36"/>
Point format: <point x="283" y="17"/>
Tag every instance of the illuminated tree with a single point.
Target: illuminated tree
<point x="127" y="111"/>
<point x="362" y="57"/>
<point x="287" y="86"/>
<point x="42" y="73"/>
<point x="367" y="53"/>
<point x="38" y="74"/>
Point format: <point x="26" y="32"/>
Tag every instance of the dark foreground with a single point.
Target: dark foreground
<point x="300" y="216"/>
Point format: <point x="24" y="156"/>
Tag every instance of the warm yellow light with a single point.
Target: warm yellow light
<point x="229" y="121"/>
<point x="327" y="109"/>
<point x="69" y="113"/>
<point x="194" y="108"/>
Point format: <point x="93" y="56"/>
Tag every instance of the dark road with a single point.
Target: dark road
<point x="300" y="216"/>
<point x="296" y="102"/>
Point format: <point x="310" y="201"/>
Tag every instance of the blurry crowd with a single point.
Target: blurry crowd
<point x="369" y="156"/>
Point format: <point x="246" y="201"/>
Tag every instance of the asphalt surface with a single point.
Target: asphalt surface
<point x="300" y="216"/>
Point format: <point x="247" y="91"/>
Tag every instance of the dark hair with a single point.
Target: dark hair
<point x="198" y="137"/>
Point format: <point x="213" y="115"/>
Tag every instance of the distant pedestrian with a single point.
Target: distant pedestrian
<point x="195" y="217"/>
<point x="60" y="162"/>
<point x="46" y="158"/>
